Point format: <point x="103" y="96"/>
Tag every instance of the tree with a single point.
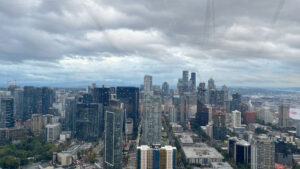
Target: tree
<point x="10" y="162"/>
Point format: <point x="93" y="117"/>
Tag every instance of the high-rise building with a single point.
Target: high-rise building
<point x="192" y="85"/>
<point x="17" y="94"/>
<point x="220" y="98"/>
<point x="219" y="126"/>
<point x="147" y="83"/>
<point x="298" y="129"/>
<point x="88" y="119"/>
<point x="236" y="102"/>
<point x="201" y="93"/>
<point x="202" y="114"/>
<point x="7" y="112"/>
<point x="37" y="124"/>
<point x="284" y="118"/>
<point x="32" y="101"/>
<point x="48" y="98"/>
<point x="262" y="153"/>
<point x="151" y="119"/>
<point x="70" y="112"/>
<point x="165" y="89"/>
<point x="185" y="81"/>
<point x="113" y="138"/>
<point x="242" y="153"/>
<point x="236" y="118"/>
<point x="130" y="97"/>
<point x="156" y="157"/>
<point x="212" y="96"/>
<point x="101" y="95"/>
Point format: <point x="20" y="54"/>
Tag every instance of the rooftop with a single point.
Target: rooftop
<point x="202" y="151"/>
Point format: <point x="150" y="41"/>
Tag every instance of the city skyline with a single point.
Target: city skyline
<point x="73" y="42"/>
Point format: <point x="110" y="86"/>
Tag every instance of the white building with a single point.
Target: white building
<point x="236" y="118"/>
<point x="53" y="131"/>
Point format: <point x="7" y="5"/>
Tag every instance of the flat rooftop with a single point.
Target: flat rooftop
<point x="202" y="151"/>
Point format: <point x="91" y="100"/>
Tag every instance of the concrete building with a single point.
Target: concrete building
<point x="156" y="157"/>
<point x="220" y="165"/>
<point x="236" y="118"/>
<point x="202" y="154"/>
<point x="151" y="120"/>
<point x="284" y="112"/>
<point x="7" y="112"/>
<point x="262" y="153"/>
<point x="147" y="84"/>
<point x="53" y="131"/>
<point x="64" y="158"/>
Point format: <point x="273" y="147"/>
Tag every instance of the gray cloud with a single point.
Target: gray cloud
<point x="78" y="40"/>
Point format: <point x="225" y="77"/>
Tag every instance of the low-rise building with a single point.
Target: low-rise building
<point x="202" y="154"/>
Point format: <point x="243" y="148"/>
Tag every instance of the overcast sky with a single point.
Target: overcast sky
<point x="76" y="42"/>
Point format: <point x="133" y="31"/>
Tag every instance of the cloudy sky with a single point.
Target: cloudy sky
<point x="76" y="42"/>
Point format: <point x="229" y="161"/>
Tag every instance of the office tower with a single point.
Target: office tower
<point x="130" y="97"/>
<point x="156" y="90"/>
<point x="262" y="153"/>
<point x="185" y="81"/>
<point x="236" y="118"/>
<point x="188" y="107"/>
<point x="283" y="153"/>
<point x="48" y="98"/>
<point x="242" y="153"/>
<point x="32" y="101"/>
<point x="201" y="93"/>
<point x="226" y="93"/>
<point x="220" y="98"/>
<point x="231" y="146"/>
<point x="219" y="127"/>
<point x="180" y="86"/>
<point x="165" y="89"/>
<point x="212" y="96"/>
<point x="284" y="117"/>
<point x="87" y="98"/>
<point x="236" y="102"/>
<point x="70" y="111"/>
<point x="193" y="82"/>
<point x="156" y="157"/>
<point x="147" y="84"/>
<point x="17" y="94"/>
<point x="101" y="95"/>
<point x="7" y="112"/>
<point x="53" y="131"/>
<point x="151" y="119"/>
<point x="211" y="84"/>
<point x="250" y="117"/>
<point x="113" y="144"/>
<point x="88" y="120"/>
<point x="202" y="114"/>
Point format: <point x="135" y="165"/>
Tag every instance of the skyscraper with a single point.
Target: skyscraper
<point x="284" y="118"/>
<point x="201" y="93"/>
<point x="7" y="113"/>
<point x="101" y="95"/>
<point x="147" y="84"/>
<point x="32" y="101"/>
<point x="219" y="127"/>
<point x="130" y="97"/>
<point x="185" y="80"/>
<point x="242" y="154"/>
<point x="202" y="114"/>
<point x="236" y="102"/>
<point x="151" y="119"/>
<point x="193" y="82"/>
<point x="156" y="157"/>
<point x="48" y="97"/>
<point x="88" y="121"/>
<point x="211" y="84"/>
<point x="165" y="89"/>
<point x="113" y="135"/>
<point x="262" y="153"/>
